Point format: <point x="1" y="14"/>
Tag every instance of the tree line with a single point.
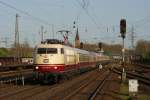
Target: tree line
<point x="142" y="48"/>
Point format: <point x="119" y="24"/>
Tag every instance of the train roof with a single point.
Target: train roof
<point x="60" y="44"/>
<point x="52" y="41"/>
<point x="50" y="46"/>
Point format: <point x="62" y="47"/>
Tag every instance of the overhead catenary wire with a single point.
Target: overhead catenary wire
<point x="84" y="6"/>
<point x="25" y="13"/>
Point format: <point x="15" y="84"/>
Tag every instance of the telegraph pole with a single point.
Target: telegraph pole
<point x="42" y="33"/>
<point x="42" y="28"/>
<point x="132" y="38"/>
<point x="17" y="45"/>
<point x="53" y="30"/>
<point x="16" y="31"/>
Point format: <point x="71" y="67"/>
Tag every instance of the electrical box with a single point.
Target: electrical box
<point x="133" y="85"/>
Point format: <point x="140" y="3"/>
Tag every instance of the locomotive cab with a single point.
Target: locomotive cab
<point x="49" y="58"/>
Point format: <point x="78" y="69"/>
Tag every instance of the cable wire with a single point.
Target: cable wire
<point x="26" y="13"/>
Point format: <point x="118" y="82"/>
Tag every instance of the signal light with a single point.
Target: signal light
<point x="123" y="27"/>
<point x="81" y="45"/>
<point x="100" y="45"/>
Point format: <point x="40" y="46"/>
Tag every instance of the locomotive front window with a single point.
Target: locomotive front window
<point x="51" y="50"/>
<point x="47" y="50"/>
<point x="41" y="50"/>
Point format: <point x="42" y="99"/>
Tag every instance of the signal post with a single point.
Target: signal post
<point x="123" y="33"/>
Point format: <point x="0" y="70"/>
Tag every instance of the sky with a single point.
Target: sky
<point x="97" y="20"/>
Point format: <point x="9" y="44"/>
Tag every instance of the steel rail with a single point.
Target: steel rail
<point x="141" y="78"/>
<point x="99" y="87"/>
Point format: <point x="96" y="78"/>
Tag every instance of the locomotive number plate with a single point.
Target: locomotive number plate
<point x="45" y="60"/>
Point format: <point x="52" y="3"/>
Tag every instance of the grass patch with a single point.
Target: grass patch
<point x="124" y="92"/>
<point x="4" y="52"/>
<point x="143" y="97"/>
<point x="124" y="89"/>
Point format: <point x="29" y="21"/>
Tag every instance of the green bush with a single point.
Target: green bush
<point x="4" y="52"/>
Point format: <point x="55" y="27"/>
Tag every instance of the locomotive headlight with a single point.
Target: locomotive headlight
<point x="55" y="67"/>
<point x="36" y="67"/>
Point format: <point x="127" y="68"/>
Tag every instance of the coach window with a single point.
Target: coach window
<point x="62" y="50"/>
<point x="51" y="50"/>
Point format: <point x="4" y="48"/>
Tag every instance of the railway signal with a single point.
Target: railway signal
<point x="123" y="27"/>
<point x="100" y="45"/>
<point x="123" y="32"/>
<point x="81" y="45"/>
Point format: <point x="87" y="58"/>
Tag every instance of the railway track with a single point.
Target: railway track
<point x="63" y="90"/>
<point x="15" y="67"/>
<point x="99" y="87"/>
<point x="85" y="86"/>
<point x="16" y="77"/>
<point x="141" y="78"/>
<point x="96" y="89"/>
<point x="26" y="93"/>
<point x="98" y="81"/>
<point x="142" y="65"/>
<point x="15" y="91"/>
<point x="15" y="73"/>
